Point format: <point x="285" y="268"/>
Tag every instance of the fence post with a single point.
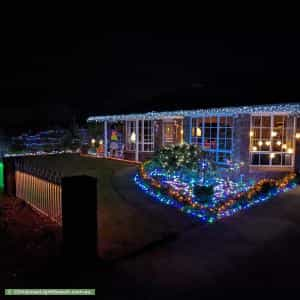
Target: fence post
<point x="9" y="176"/>
<point x="79" y="218"/>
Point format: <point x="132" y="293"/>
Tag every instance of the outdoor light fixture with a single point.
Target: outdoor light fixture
<point x="93" y="141"/>
<point x="251" y="133"/>
<point x="290" y="150"/>
<point x="181" y="131"/>
<point x="274" y="133"/>
<point x="198" y="131"/>
<point x="278" y="143"/>
<point x="298" y="135"/>
<point x="268" y="143"/>
<point x="272" y="155"/>
<point x="101" y="142"/>
<point x="133" y="137"/>
<point x="260" y="143"/>
<point x="284" y="146"/>
<point x="254" y="148"/>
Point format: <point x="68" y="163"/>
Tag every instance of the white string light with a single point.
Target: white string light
<point x="274" y="108"/>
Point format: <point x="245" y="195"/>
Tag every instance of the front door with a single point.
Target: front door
<point x="172" y="132"/>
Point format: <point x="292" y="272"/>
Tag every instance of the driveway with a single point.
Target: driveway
<point x="256" y="248"/>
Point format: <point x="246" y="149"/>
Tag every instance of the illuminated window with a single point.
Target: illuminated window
<point x="215" y="137"/>
<point x="272" y="140"/>
<point x="145" y="137"/>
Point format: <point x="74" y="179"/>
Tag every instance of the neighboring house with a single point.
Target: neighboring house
<point x="50" y="139"/>
<point x="264" y="137"/>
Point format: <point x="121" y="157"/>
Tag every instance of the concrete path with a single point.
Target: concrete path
<point x="124" y="184"/>
<point x="256" y="248"/>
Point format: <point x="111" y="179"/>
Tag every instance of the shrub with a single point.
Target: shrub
<point x="178" y="157"/>
<point x="203" y="193"/>
<point x="266" y="187"/>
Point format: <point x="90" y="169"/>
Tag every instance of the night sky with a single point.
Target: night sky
<point x="46" y="80"/>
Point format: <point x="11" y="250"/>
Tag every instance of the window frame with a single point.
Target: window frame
<point x="286" y="128"/>
<point x="199" y="121"/>
<point x="131" y="127"/>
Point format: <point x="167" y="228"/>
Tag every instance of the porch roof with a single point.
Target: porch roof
<point x="293" y="108"/>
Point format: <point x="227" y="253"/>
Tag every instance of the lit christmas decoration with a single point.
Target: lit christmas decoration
<point x="276" y="108"/>
<point x="260" y="143"/>
<point x="278" y="143"/>
<point x="268" y="143"/>
<point x="198" y="132"/>
<point x="290" y="150"/>
<point x="274" y="133"/>
<point x="133" y="137"/>
<point x="200" y="190"/>
<point x="297" y="135"/>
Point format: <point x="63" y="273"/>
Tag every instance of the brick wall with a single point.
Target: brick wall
<point x="241" y="139"/>
<point x="143" y="156"/>
<point x="297" y="150"/>
<point x="158" y="134"/>
<point x="186" y="129"/>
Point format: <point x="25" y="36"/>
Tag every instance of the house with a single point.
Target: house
<point x="265" y="137"/>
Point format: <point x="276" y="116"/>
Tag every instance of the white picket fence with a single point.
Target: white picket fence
<point x="41" y="194"/>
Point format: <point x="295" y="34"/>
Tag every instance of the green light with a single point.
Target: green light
<point x="1" y="175"/>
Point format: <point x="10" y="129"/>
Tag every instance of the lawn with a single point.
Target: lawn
<point x="124" y="227"/>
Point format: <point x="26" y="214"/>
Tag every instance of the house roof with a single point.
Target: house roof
<point x="293" y="108"/>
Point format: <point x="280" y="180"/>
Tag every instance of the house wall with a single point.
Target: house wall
<point x="297" y="147"/>
<point x="143" y="156"/>
<point x="158" y="134"/>
<point x="241" y="140"/>
<point x="187" y="131"/>
<point x="240" y="147"/>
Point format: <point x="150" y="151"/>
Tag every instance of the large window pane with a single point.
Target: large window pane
<point x="216" y="136"/>
<point x="272" y="140"/>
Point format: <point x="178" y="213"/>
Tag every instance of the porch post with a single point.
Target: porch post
<point x="105" y="138"/>
<point x="137" y="140"/>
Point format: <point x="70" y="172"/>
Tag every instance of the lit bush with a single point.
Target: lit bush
<point x="178" y="157"/>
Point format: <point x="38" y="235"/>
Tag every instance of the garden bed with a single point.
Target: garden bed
<point x="185" y="178"/>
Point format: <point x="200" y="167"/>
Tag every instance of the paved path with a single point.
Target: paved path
<point x="258" y="247"/>
<point x="124" y="184"/>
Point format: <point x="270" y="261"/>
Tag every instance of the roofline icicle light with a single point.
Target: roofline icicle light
<point x="293" y="108"/>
